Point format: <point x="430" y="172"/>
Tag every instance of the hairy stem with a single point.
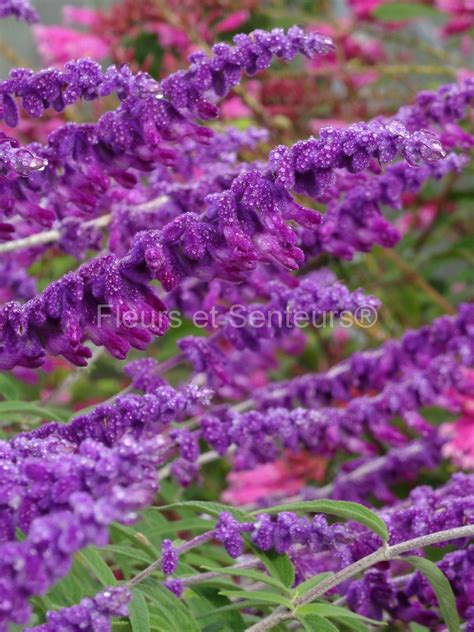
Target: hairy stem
<point x="187" y="546"/>
<point x="383" y="554"/>
<point x="48" y="236"/>
<point x="51" y="236"/>
<point x="415" y="277"/>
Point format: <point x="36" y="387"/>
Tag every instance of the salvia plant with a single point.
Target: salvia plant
<point x="206" y="423"/>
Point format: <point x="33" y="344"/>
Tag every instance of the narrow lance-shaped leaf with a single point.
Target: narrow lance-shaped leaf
<point x="210" y="508"/>
<point x="442" y="589"/>
<point x="313" y="622"/>
<point x="32" y="409"/>
<point x="259" y="596"/>
<point x="138" y="613"/>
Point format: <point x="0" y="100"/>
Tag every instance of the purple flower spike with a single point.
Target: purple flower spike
<point x="92" y="613"/>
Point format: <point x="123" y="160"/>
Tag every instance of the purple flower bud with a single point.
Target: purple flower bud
<point x="169" y="557"/>
<point x="176" y="586"/>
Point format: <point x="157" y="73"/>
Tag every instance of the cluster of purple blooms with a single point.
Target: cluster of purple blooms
<point x="184" y="211"/>
<point x="63" y="485"/>
<point x="93" y="613"/>
<point x="20" y="9"/>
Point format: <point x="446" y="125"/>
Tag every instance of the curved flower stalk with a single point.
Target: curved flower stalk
<point x="372" y="370"/>
<point x="144" y="207"/>
<point x="447" y="104"/>
<point x="260" y="436"/>
<point x="308" y="166"/>
<point x="85" y="159"/>
<point x="20" y="9"/>
<point x="89" y="158"/>
<point x="183" y="90"/>
<point x="80" y="79"/>
<point x="358" y="480"/>
<point x="253" y="325"/>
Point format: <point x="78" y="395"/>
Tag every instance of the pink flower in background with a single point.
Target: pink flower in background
<point x="232" y="22"/>
<point x="171" y="36"/>
<point x="364" y="8"/>
<point x="28" y="129"/>
<point x="361" y="79"/>
<point x="234" y="108"/>
<point x="421" y="218"/>
<point x="350" y="45"/>
<point x="280" y="478"/>
<point x="59" y="44"/>
<point x="460" y="433"/>
<point x="78" y="15"/>
<point x="462" y="12"/>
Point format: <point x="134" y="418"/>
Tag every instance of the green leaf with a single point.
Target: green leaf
<point x="247" y="572"/>
<point x="77" y="584"/>
<point x="132" y="553"/>
<point x="442" y="589"/>
<point x="186" y="524"/>
<point x="210" y="508"/>
<point x="238" y="605"/>
<point x="416" y="627"/>
<point x="278" y="565"/>
<point x="31" y="408"/>
<point x="310" y="583"/>
<point x="340" y="508"/>
<point x="138" y="613"/>
<point x="160" y="623"/>
<point x="352" y="624"/>
<point x="135" y="536"/>
<point x="169" y="607"/>
<point x="94" y="562"/>
<point x="313" y="622"/>
<point x="204" y="600"/>
<point x="260" y="596"/>
<point x="400" y="11"/>
<point x="66" y="593"/>
<point x="330" y="610"/>
<point x="8" y="387"/>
